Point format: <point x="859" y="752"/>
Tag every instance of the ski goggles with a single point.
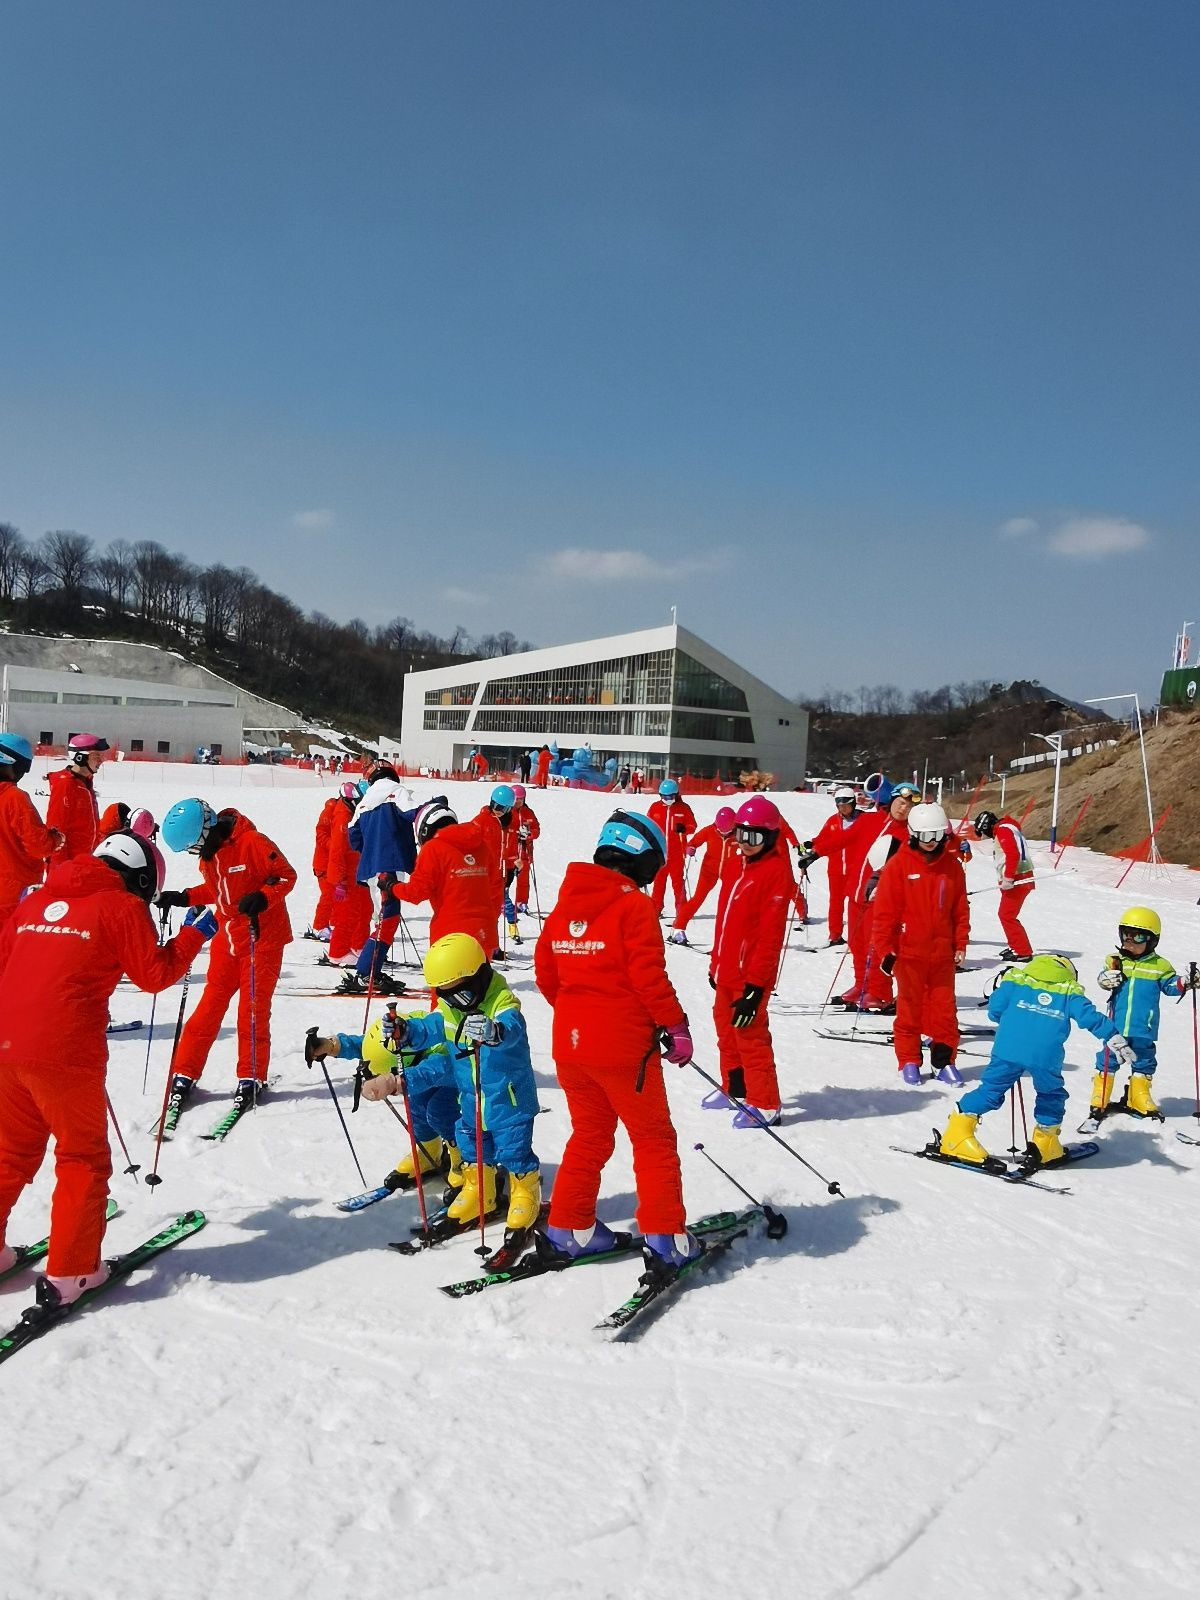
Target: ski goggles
<point x="929" y="835"/>
<point x="750" y="836"/>
<point x="844" y="800"/>
<point x="905" y="791"/>
<point x="1134" y="935"/>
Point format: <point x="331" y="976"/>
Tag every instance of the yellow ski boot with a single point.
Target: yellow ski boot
<point x="454" y="1172"/>
<point x="464" y="1207"/>
<point x="1138" y="1098"/>
<point x="1102" y="1090"/>
<point x="429" y="1153"/>
<point x="1045" y="1147"/>
<point x="959" y="1143"/>
<point x="524" y="1199"/>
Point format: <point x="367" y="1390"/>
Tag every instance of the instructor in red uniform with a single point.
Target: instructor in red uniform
<point x="25" y="842"/>
<point x="73" y="809"/>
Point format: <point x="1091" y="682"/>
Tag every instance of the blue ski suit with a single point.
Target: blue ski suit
<point x="1135" y="1007"/>
<point x="434" y="1105"/>
<point x="1033" y="1023"/>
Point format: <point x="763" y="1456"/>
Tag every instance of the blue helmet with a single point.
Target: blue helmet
<point x="634" y="845"/>
<point x="503" y="798"/>
<point x="17" y="752"/>
<point x="668" y="789"/>
<point x="187" y="825"/>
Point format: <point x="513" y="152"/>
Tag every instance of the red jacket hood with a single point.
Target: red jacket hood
<point x="464" y="837"/>
<point x="592" y="889"/>
<point x="83" y="875"/>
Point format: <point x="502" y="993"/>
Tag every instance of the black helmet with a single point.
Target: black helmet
<point x="985" y="824"/>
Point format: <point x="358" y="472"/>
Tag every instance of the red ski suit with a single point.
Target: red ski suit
<point x="921" y="918"/>
<point x="518" y="853"/>
<point x="457" y="873"/>
<point x="716" y="847"/>
<point x="678" y="823"/>
<point x="599" y="962"/>
<point x="61" y="957"/>
<point x="871" y="986"/>
<point x="1014" y="868"/>
<point x="830" y="842"/>
<point x="74" y="811"/>
<point x="350" y="901"/>
<point x="323" y="915"/>
<point x="751" y="924"/>
<point x="247" y="861"/>
<point x="25" y="845"/>
<point x="543" y="768"/>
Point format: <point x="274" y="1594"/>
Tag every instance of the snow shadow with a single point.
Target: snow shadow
<point x="847" y="1105"/>
<point x="1125" y="1145"/>
<point x="831" y="1230"/>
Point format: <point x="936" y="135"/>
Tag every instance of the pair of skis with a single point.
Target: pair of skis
<point x="1022" y="1173"/>
<point x="224" y="1125"/>
<point x="46" y="1314"/>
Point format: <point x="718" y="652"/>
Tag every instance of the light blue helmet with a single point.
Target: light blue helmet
<point x="187" y="825"/>
<point x="17" y="752"/>
<point x="634" y="845"/>
<point x="668" y="789"/>
<point x="503" y="797"/>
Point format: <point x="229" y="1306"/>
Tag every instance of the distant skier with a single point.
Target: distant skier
<point x="830" y="842"/>
<point x="717" y="843"/>
<point x="25" y="842"/>
<point x="871" y="844"/>
<point x="73" y="808"/>
<point x="1033" y="1006"/>
<point x="677" y="822"/>
<point x="1136" y="977"/>
<point x="351" y="907"/>
<point x="1014" y="870"/>
<point x="322" y="917"/>
<point x="517" y="856"/>
<point x="382" y="832"/>
<point x="61" y="957"/>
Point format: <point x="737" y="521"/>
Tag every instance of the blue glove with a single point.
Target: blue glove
<point x="202" y="919"/>
<point x="478" y="1029"/>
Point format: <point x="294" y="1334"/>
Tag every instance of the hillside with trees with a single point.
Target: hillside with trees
<point x="226" y="619"/>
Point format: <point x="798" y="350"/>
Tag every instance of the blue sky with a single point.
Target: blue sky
<point x="865" y="334"/>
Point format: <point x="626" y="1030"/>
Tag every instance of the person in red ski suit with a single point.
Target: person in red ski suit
<point x="751" y="924"/>
<point x="25" y="842"/>
<point x="599" y="963"/>
<point x="1014" y="870"/>
<point x="72" y="808"/>
<point x="248" y="878"/>
<point x="61" y="957"/>
<point x="920" y="932"/>
<point x="350" y="901"/>
<point x="495" y="820"/>
<point x="717" y="843"/>
<point x="677" y="821"/>
<point x="517" y="858"/>
<point x="830" y="842"/>
<point x="871" y="843"/>
<point x="456" y="872"/>
<point x="543" y="767"/>
<point x="322" y="917"/>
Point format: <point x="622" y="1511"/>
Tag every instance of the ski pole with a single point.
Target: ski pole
<point x="481" y="1248"/>
<point x="787" y="934"/>
<point x="1012" y="1118"/>
<point x="804" y="892"/>
<point x="164" y="922"/>
<point x="833" y="1188"/>
<point x="776" y="1221"/>
<point x="833" y="985"/>
<point x="533" y="885"/>
<point x="1024" y="1121"/>
<point x="1195" y="1036"/>
<point x="416" y="1153"/>
<point x="152" y="1177"/>
<point x="132" y="1168"/>
<point x="253" y="1015"/>
<point x="309" y="1058"/>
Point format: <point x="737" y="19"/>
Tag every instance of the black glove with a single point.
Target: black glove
<point x="169" y="899"/>
<point x="745" y="1008"/>
<point x="872" y="885"/>
<point x="888" y="965"/>
<point x="712" y="982"/>
<point x="387" y="881"/>
<point x="250" y="905"/>
<point x="805" y="859"/>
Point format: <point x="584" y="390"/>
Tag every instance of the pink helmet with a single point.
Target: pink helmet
<point x="518" y="789"/>
<point x="350" y="792"/>
<point x="86" y="744"/>
<point x="758" y="812"/>
<point x="143" y="824"/>
<point x="724" y="820"/>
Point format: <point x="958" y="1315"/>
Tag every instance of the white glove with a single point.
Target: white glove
<point x="1120" y="1047"/>
<point x="479" y="1029"/>
<point x="1111" y="978"/>
<point x="1006" y="883"/>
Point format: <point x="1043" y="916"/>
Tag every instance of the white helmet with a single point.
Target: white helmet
<point x="843" y="792"/>
<point x="928" y="823"/>
<point x="136" y="859"/>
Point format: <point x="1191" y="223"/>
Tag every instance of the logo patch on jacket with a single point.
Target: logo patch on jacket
<point x="56" y="911"/>
<point x="575" y="929"/>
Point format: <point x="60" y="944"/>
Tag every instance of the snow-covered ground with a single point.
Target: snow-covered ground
<point x="937" y="1386"/>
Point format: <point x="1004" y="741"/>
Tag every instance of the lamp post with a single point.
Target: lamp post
<point x="1102" y="699"/>
<point x="1055" y="741"/>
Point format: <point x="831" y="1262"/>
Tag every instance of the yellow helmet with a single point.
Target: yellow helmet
<point x="451" y="961"/>
<point x="377" y="1055"/>
<point x="1142" y="920"/>
<point x="1051" y="970"/>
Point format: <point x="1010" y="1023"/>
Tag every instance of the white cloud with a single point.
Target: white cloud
<point x="318" y="521"/>
<point x="1017" y="527"/>
<point x="627" y="566"/>
<point x="1094" y="538"/>
<point x="463" y="597"/>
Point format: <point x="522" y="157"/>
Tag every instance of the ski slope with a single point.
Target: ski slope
<point x="939" y="1385"/>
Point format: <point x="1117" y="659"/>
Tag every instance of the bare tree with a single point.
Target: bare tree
<point x="508" y="645"/>
<point x="113" y="573"/>
<point x="31" y="573"/>
<point x="68" y="558"/>
<point x="11" y="546"/>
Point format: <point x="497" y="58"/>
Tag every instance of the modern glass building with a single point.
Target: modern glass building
<point x="661" y="699"/>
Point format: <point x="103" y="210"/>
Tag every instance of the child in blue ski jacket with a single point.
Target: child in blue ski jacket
<point x="478" y="1022"/>
<point x="1033" y="1007"/>
<point x="1136" y="978"/>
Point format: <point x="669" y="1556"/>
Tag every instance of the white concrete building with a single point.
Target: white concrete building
<point x="660" y="699"/>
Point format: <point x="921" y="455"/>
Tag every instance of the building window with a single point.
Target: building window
<point x="700" y="686"/>
<point x="462" y="694"/>
<point x="711" y="725"/>
<point x="623" y="680"/>
<point x="34" y="697"/>
<point x="446" y="721"/>
<point x="137" y="745"/>
<point x="164" y="747"/>
<point x="46" y="736"/>
<point x="151" y="700"/>
<point x="216" y="749"/>
<point x="91" y="699"/>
